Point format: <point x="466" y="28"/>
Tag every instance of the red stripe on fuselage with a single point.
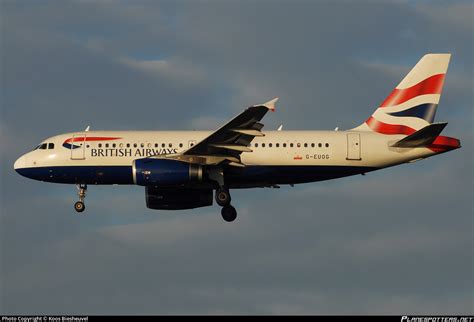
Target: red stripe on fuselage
<point x="92" y="138"/>
<point x="431" y="85"/>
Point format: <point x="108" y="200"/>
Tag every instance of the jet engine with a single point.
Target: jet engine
<point x="174" y="199"/>
<point x="165" y="172"/>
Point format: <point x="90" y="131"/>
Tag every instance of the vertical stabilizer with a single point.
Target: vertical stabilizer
<point x="412" y="104"/>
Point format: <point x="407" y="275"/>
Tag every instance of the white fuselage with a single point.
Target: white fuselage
<point x="286" y="149"/>
<point x="302" y="148"/>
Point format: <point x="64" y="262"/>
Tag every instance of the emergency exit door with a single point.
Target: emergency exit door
<point x="353" y="146"/>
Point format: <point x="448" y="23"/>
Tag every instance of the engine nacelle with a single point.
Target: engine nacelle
<point x="174" y="199"/>
<point x="165" y="172"/>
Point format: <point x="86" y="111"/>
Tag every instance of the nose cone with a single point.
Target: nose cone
<point x="20" y="163"/>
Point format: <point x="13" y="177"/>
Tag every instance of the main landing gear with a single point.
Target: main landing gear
<point x="229" y="213"/>
<point x="82" y="190"/>
<point x="223" y="199"/>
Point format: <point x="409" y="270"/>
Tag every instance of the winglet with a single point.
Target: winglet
<point x="270" y="104"/>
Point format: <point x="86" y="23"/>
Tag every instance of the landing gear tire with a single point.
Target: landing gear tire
<point x="223" y="197"/>
<point x="82" y="190"/>
<point x="79" y="206"/>
<point x="229" y="213"/>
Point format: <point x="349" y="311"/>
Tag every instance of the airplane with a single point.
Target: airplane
<point x="181" y="169"/>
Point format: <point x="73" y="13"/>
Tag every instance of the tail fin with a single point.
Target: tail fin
<point x="412" y="105"/>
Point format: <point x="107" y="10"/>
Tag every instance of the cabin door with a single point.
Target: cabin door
<point x="353" y="146"/>
<point x="78" y="147"/>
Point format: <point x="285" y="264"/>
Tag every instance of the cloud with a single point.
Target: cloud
<point x="397" y="240"/>
<point x="180" y="72"/>
<point x="206" y="123"/>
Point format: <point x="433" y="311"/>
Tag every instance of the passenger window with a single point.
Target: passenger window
<point x="106" y="145"/>
<point x="121" y="145"/>
<point x="256" y="145"/>
<point x="51" y="146"/>
<point x="291" y="145"/>
<point x="284" y="145"/>
<point x="263" y="145"/>
<point x="269" y="145"/>
<point x="163" y="145"/>
<point x="319" y="145"/>
<point x="128" y="145"/>
<point x="156" y="145"/>
<point x="100" y="145"/>
<point x="149" y="145"/>
<point x="142" y="145"/>
<point x="306" y="145"/>
<point x="181" y="145"/>
<point x="277" y="145"/>
<point x="114" y="145"/>
<point x="312" y="145"/>
<point x="327" y="145"/>
<point x="170" y="145"/>
<point x="135" y="145"/>
<point x="298" y="145"/>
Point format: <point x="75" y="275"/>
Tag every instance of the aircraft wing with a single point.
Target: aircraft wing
<point x="230" y="140"/>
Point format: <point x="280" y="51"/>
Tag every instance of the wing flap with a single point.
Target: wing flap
<point x="233" y="147"/>
<point x="236" y="164"/>
<point x="248" y="132"/>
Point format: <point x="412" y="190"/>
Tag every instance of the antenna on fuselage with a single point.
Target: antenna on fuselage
<point x="87" y="128"/>
<point x="280" y="127"/>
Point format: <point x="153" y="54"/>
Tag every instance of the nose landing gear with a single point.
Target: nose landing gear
<point x="82" y="190"/>
<point x="223" y="199"/>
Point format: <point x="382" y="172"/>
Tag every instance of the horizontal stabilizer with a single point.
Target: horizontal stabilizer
<point x="422" y="137"/>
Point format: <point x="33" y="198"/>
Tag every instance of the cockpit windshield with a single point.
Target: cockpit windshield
<point x="44" y="146"/>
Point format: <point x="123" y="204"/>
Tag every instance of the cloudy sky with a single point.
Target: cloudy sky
<point x="394" y="241"/>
